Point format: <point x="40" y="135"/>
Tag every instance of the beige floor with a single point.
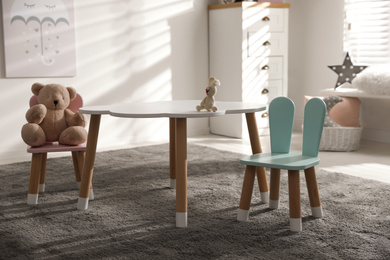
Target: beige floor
<point x="371" y="161"/>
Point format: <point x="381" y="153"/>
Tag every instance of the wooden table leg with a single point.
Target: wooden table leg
<point x="172" y="152"/>
<point x="181" y="172"/>
<point x="86" y="177"/>
<point x="256" y="148"/>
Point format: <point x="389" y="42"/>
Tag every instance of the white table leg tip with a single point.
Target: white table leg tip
<point x="32" y="199"/>
<point x="264" y="197"/>
<point x="242" y="215"/>
<point x="82" y="204"/>
<point x="317" y="212"/>
<point x="296" y="224"/>
<point x="172" y="183"/>
<point x="91" y="195"/>
<point x="273" y="204"/>
<point x="42" y="187"/>
<point x="181" y="219"/>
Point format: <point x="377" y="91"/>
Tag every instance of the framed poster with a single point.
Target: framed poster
<point x="39" y="38"/>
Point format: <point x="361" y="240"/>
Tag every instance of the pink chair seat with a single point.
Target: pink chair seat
<point x="56" y="147"/>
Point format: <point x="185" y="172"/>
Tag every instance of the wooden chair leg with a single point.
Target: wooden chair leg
<point x="263" y="184"/>
<point x="246" y="194"/>
<point x="172" y="152"/>
<point x="295" y="200"/>
<point x="274" y="189"/>
<point x="77" y="167"/>
<point x="314" y="195"/>
<point x="35" y="173"/>
<point x="42" y="177"/>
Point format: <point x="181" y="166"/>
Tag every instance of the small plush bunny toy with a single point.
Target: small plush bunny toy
<point x="209" y="101"/>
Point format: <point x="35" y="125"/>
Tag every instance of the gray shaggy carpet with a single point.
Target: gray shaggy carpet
<point x="133" y="214"/>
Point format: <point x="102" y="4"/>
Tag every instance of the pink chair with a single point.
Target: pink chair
<point x="39" y="156"/>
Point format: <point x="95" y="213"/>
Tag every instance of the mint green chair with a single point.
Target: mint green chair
<point x="281" y="117"/>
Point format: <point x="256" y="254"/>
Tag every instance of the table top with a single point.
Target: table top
<point x="173" y="109"/>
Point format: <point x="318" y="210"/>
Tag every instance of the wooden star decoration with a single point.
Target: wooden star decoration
<point x="347" y="71"/>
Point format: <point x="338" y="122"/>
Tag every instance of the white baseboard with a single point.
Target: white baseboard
<point x="376" y="135"/>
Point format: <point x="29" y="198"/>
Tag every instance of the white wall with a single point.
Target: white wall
<point x="127" y="51"/>
<point x="316" y="41"/>
<point x="130" y="50"/>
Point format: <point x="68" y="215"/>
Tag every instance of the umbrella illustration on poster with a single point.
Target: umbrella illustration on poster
<point x="41" y="18"/>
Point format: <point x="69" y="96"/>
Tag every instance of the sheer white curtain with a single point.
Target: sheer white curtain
<point x="367" y="31"/>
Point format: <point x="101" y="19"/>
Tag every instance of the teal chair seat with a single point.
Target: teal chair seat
<point x="284" y="161"/>
<point x="281" y="117"/>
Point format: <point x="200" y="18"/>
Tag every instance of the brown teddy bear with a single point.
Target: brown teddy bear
<point x="50" y="120"/>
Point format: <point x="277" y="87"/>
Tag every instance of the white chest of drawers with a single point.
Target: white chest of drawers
<point x="248" y="54"/>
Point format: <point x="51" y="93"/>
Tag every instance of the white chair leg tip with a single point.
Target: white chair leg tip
<point x="91" y="195"/>
<point x="181" y="219"/>
<point x="264" y="197"/>
<point x="273" y="204"/>
<point x="32" y="199"/>
<point x="42" y="187"/>
<point x="82" y="203"/>
<point x="242" y="215"/>
<point x="172" y="184"/>
<point x="296" y="224"/>
<point x="317" y="212"/>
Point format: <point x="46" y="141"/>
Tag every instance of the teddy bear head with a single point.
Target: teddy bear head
<point x="53" y="96"/>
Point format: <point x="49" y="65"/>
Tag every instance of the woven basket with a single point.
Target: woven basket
<point x="340" y="138"/>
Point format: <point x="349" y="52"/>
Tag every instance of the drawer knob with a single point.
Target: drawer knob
<point x="265" y="67"/>
<point x="265" y="114"/>
<point x="265" y="19"/>
<point x="266" y="43"/>
<point x="264" y="91"/>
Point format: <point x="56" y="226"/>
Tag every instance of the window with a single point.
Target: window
<point x="367" y="31"/>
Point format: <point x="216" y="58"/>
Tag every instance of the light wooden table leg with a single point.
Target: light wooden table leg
<point x="314" y="195"/>
<point x="294" y="192"/>
<point x="86" y="176"/>
<point x="181" y="172"/>
<point x="172" y="152"/>
<point x="256" y="148"/>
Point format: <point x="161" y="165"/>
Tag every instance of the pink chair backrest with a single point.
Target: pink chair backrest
<point x="74" y="105"/>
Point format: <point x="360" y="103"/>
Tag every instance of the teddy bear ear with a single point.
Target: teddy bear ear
<point x="72" y="93"/>
<point x="36" y="87"/>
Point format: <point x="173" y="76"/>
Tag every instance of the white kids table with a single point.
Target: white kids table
<point x="177" y="111"/>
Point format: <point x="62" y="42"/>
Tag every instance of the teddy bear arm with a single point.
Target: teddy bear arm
<point x="75" y="119"/>
<point x="36" y="114"/>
